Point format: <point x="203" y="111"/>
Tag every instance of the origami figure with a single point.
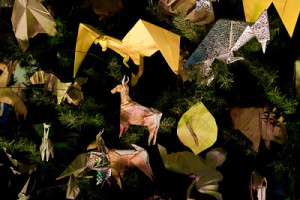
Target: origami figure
<point x="70" y="91"/>
<point x="46" y="147"/>
<point x="136" y="114"/>
<point x="228" y="36"/>
<point x="3" y="112"/>
<point x="104" y="8"/>
<point x="6" y="94"/>
<point x="194" y="9"/>
<point x="204" y="172"/>
<point x="144" y="39"/>
<point x="288" y="11"/>
<point x="258" y="185"/>
<point x="30" y="17"/>
<point x="256" y="123"/>
<point x="197" y="128"/>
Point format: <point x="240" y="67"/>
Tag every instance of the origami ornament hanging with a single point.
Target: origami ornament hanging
<point x="258" y="185"/>
<point x="136" y="114"/>
<point x="228" y="36"/>
<point x="69" y="91"/>
<point x="195" y="13"/>
<point x="104" y="8"/>
<point x="30" y="17"/>
<point x="288" y="11"/>
<point x="204" y="172"/>
<point x="46" y="147"/>
<point x="6" y="94"/>
<point x="82" y="164"/>
<point x="144" y="39"/>
<point x="197" y="128"/>
<point x="122" y="160"/>
<point x="256" y="123"/>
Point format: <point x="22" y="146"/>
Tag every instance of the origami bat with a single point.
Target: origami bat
<point x="69" y="91"/>
<point x="288" y="11"/>
<point x="256" y="123"/>
<point x="197" y="128"/>
<point x="204" y="172"/>
<point x="6" y="94"/>
<point x="257" y="184"/>
<point x="104" y="8"/>
<point x="30" y="17"/>
<point x="136" y="114"/>
<point x="228" y="36"/>
<point x="197" y="15"/>
<point x="144" y="39"/>
<point x="46" y="147"/>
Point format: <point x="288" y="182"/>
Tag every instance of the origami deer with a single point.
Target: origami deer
<point x="136" y="114"/>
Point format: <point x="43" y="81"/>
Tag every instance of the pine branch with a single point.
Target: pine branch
<point x="166" y="125"/>
<point x="114" y="69"/>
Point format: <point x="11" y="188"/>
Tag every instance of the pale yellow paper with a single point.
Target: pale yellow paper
<point x="203" y="125"/>
<point x="144" y="39"/>
<point x="288" y="11"/>
<point x="30" y="17"/>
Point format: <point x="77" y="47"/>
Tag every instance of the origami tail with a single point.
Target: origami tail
<point x="135" y="78"/>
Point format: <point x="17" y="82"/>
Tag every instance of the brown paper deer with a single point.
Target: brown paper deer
<point x="136" y="114"/>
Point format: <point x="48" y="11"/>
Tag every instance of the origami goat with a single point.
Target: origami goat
<point x="136" y="114"/>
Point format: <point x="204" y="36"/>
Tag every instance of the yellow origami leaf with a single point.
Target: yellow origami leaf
<point x="144" y="39"/>
<point x="288" y="11"/>
<point x="197" y="128"/>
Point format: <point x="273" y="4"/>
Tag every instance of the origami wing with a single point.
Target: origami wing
<point x="288" y="11"/>
<point x="197" y="128"/>
<point x="144" y="39"/>
<point x="30" y="17"/>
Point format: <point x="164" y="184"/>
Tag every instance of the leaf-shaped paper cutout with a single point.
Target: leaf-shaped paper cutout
<point x="197" y="128"/>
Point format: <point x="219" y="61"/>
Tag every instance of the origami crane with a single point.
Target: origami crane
<point x="256" y="123"/>
<point x="258" y="185"/>
<point x="228" y="36"/>
<point x="288" y="11"/>
<point x="46" y="147"/>
<point x="204" y="172"/>
<point x="30" y="17"/>
<point x="195" y="14"/>
<point x="136" y="114"/>
<point x="6" y="94"/>
<point x="69" y="91"/>
<point x="144" y="39"/>
<point x="197" y="128"/>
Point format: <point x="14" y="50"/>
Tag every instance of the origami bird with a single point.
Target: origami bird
<point x="30" y="17"/>
<point x="228" y="36"/>
<point x="136" y="114"/>
<point x="144" y="39"/>
<point x="6" y="94"/>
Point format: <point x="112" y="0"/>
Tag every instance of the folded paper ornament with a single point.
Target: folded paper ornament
<point x="258" y="186"/>
<point x="195" y="10"/>
<point x="228" y="36"/>
<point x="256" y="123"/>
<point x="203" y="171"/>
<point x="63" y="91"/>
<point x="288" y="11"/>
<point x="143" y="40"/>
<point x="3" y="112"/>
<point x="7" y="95"/>
<point x="136" y="114"/>
<point x="30" y="17"/>
<point x="46" y="147"/>
<point x="197" y="128"/>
